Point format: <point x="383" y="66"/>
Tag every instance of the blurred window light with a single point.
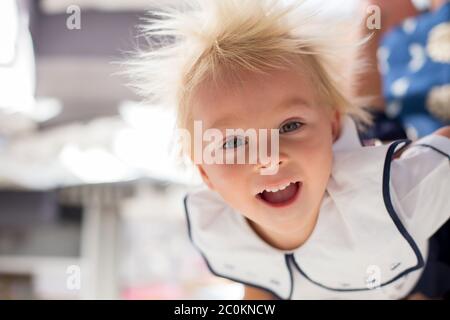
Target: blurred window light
<point x="332" y="8"/>
<point x="45" y="109"/>
<point x="8" y="31"/>
<point x="147" y="118"/>
<point x="17" y="65"/>
<point x="94" y="165"/>
<point x="58" y="6"/>
<point x="148" y="143"/>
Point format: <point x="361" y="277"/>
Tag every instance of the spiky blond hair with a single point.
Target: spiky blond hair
<point x="204" y="39"/>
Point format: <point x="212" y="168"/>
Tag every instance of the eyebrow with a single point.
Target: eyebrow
<point x="284" y="105"/>
<point x="292" y="102"/>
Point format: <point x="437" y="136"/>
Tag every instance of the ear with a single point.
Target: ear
<point x="205" y="177"/>
<point x="335" y="124"/>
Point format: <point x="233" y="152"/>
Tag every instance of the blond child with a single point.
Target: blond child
<point x="336" y="220"/>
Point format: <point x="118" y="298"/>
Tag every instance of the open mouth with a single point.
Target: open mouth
<point x="281" y="196"/>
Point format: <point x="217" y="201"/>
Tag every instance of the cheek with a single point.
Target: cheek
<point x="315" y="156"/>
<point x="226" y="178"/>
<point x="314" y="147"/>
<point x="315" y="161"/>
<point x="231" y="182"/>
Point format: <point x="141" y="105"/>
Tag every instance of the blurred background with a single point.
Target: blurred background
<point x="90" y="192"/>
<point x="90" y="203"/>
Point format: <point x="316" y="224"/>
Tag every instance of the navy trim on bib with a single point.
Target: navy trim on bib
<point x="432" y="148"/>
<point x="388" y="202"/>
<point x="390" y="208"/>
<point x="230" y="278"/>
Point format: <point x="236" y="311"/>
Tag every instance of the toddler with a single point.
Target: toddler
<point x="335" y="219"/>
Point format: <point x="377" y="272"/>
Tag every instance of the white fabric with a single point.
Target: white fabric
<point x="357" y="243"/>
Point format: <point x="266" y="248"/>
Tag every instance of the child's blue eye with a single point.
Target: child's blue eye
<point x="234" y="142"/>
<point x="290" y="126"/>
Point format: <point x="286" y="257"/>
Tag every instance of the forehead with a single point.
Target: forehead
<point x="250" y="95"/>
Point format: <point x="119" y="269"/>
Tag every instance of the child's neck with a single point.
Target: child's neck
<point x="283" y="241"/>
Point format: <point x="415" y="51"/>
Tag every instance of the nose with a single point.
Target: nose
<point x="271" y="164"/>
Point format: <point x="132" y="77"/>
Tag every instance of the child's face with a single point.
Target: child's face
<point x="285" y="100"/>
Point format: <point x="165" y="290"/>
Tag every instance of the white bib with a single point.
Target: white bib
<point x="359" y="248"/>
